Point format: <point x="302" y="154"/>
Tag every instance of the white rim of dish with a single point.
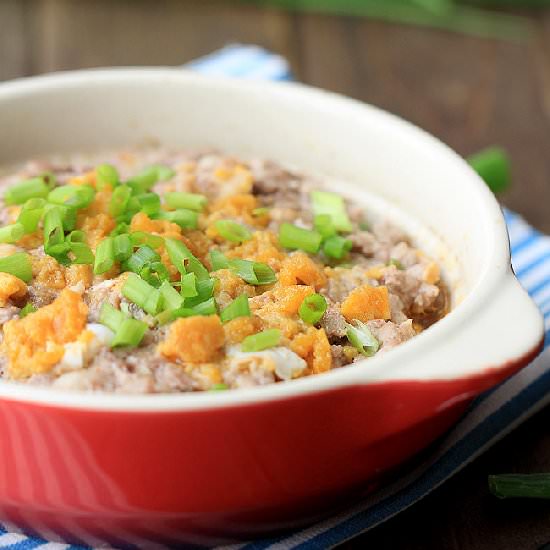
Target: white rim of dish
<point x="497" y="266"/>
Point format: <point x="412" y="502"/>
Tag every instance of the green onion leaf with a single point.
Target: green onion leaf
<point x="266" y="339"/>
<point x="31" y="214"/>
<point x="122" y="247"/>
<point x="189" y="285"/>
<point x="106" y="174"/>
<point x="143" y="294"/>
<point x="232" y="231"/>
<point x="142" y="182"/>
<point x="54" y="236"/>
<point x="81" y="253"/>
<point x="77" y="196"/>
<point x="140" y="258"/>
<point x="337" y="247"/>
<point x="110" y="317"/>
<point x="149" y="203"/>
<point x="260" y="211"/>
<point x="18" y="264"/>
<point x="205" y="290"/>
<point x="323" y="225"/>
<point x="172" y="298"/>
<point x="237" y="308"/>
<point x="396" y="263"/>
<point x="254" y="273"/>
<point x="29" y="308"/>
<point x="218" y="260"/>
<point x="104" y="256"/>
<point x="520" y="485"/>
<point x="120" y="229"/>
<point x="206" y="308"/>
<point x="493" y="165"/>
<point x="218" y="387"/>
<point x="362" y="339"/>
<point x="76" y="237"/>
<point x="170" y="315"/>
<point x="184" y="260"/>
<point x="129" y="333"/>
<point x="294" y="237"/>
<point x="333" y="205"/>
<point x="119" y="200"/>
<point x="140" y="238"/>
<point x="189" y="201"/>
<point x="186" y="219"/>
<point x="11" y="233"/>
<point x="312" y="308"/>
<point x="155" y="273"/>
<point x="28" y="189"/>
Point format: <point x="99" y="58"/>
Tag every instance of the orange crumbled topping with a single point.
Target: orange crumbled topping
<point x="238" y="329"/>
<point x="235" y="207"/>
<point x="47" y="271"/>
<point x="11" y="287"/>
<point x="194" y="340"/>
<point x="89" y="178"/>
<point x="95" y="220"/>
<point x="375" y="272"/>
<point x="34" y="344"/>
<point x="231" y="284"/>
<point x="285" y="300"/>
<point x="262" y="247"/>
<point x="366" y="303"/>
<point x="431" y="273"/>
<point x="299" y="268"/>
<point x="79" y="273"/>
<point x="314" y="347"/>
<point x="164" y="228"/>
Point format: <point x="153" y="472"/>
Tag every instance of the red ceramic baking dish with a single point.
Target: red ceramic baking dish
<point x="219" y="466"/>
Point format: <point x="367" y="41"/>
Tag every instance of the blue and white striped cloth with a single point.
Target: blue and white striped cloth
<point x="491" y="417"/>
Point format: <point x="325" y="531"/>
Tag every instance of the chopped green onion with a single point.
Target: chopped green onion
<point x="232" y="231"/>
<point x="312" y="308"/>
<point x="142" y="182"/>
<point x="254" y="273"/>
<point x="68" y="215"/>
<point x="104" y="256"/>
<point x="106" y="174"/>
<point x="76" y="237"/>
<point x="30" y="214"/>
<point x="186" y="219"/>
<point x="11" y="233"/>
<point x="81" y="253"/>
<point x="155" y="273"/>
<point x="182" y="258"/>
<point x="237" y="308"/>
<point x="218" y="260"/>
<point x="119" y="200"/>
<point x="396" y="263"/>
<point x="49" y="179"/>
<point x="337" y="247"/>
<point x="205" y="290"/>
<point x="120" y="229"/>
<point x="323" y="225"/>
<point x="189" y="201"/>
<point x="149" y="203"/>
<point x="170" y="315"/>
<point x="129" y="333"/>
<point x="218" y="387"/>
<point x="18" y="264"/>
<point x="206" y="308"/>
<point x="140" y="238"/>
<point x="28" y="189"/>
<point x="362" y="339"/>
<point x="294" y="237"/>
<point x="122" y="247"/>
<point x="493" y="165"/>
<point x="29" y="308"/>
<point x="172" y="298"/>
<point x="189" y="285"/>
<point x="132" y="208"/>
<point x="140" y="258"/>
<point x="266" y="339"/>
<point x="54" y="236"/>
<point x="72" y="195"/>
<point x="364" y="226"/>
<point x="332" y="204"/>
<point x="520" y="485"/>
<point x="260" y="211"/>
<point x="110" y="317"/>
<point x="143" y="294"/>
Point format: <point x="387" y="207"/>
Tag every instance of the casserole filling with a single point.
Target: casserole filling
<point x="162" y="271"/>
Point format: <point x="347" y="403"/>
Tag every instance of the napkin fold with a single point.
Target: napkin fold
<point x="492" y="415"/>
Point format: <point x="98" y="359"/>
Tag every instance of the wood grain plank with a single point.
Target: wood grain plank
<point x="78" y="33"/>
<point x="13" y="47"/>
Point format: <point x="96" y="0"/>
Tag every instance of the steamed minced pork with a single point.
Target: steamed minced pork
<point x="159" y="271"/>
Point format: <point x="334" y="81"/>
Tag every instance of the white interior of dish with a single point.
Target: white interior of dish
<point x="375" y="158"/>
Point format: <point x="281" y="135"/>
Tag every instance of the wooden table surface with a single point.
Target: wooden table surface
<point x="470" y="92"/>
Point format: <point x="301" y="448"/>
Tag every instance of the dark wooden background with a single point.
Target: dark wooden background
<point x="470" y="92"/>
